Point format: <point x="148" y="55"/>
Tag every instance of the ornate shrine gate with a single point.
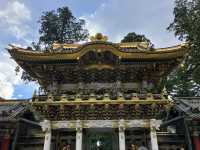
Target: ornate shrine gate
<point x="121" y="125"/>
<point x="100" y="85"/>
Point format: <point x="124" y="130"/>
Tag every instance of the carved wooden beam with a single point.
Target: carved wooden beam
<point x="143" y="123"/>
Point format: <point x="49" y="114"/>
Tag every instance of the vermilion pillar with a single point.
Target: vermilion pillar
<point x="5" y="143"/>
<point x="196" y="140"/>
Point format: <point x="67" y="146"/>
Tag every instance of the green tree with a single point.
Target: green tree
<point x="186" y="26"/>
<point x="61" y="26"/>
<point x="178" y="83"/>
<point x="133" y="37"/>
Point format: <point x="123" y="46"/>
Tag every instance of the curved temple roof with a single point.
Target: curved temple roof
<point x="137" y="51"/>
<point x="71" y="63"/>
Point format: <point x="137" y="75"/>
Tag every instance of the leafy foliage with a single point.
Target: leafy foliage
<point x="133" y="37"/>
<point x="186" y="26"/>
<point x="61" y="26"/>
<point x="26" y="77"/>
<point x="179" y="83"/>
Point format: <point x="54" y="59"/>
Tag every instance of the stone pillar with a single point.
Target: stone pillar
<point x="196" y="140"/>
<point x="122" y="141"/>
<point x="5" y="145"/>
<point x="46" y="127"/>
<point x="79" y="139"/>
<point x="154" y="141"/>
<point x="79" y="135"/>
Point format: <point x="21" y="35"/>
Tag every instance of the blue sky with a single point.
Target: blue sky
<point x="114" y="18"/>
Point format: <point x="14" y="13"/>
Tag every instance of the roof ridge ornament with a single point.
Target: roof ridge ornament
<point x="99" y="37"/>
<point x="144" y="45"/>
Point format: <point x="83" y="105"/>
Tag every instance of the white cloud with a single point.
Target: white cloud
<point x="20" y="95"/>
<point x="19" y="45"/>
<point x="13" y="18"/>
<point x="116" y="18"/>
<point x="8" y="77"/>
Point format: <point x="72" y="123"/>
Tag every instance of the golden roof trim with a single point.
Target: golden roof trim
<point x="161" y="53"/>
<point x="99" y="37"/>
<point x="138" y="45"/>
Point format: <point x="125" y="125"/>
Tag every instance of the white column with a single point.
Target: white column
<point x="122" y="142"/>
<point x="46" y="127"/>
<point x="79" y="139"/>
<point x="154" y="141"/>
<point x="79" y="135"/>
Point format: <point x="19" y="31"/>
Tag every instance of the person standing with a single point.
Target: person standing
<point x="66" y="147"/>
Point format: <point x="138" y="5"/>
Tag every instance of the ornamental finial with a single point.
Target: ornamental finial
<point x="98" y="37"/>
